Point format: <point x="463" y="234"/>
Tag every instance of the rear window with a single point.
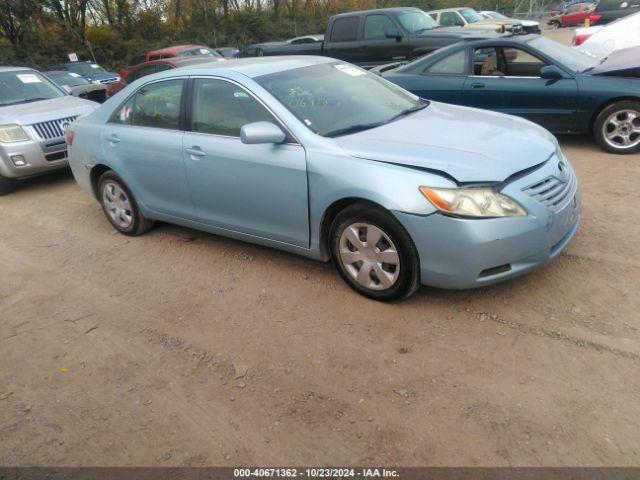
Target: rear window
<point x="345" y="29"/>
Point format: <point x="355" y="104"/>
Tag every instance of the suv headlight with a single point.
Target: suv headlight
<point x="473" y="202"/>
<point x="12" y="133"/>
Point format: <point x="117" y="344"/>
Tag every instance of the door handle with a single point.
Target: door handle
<point x="113" y="138"/>
<point x="476" y="86"/>
<point x="195" y="152"/>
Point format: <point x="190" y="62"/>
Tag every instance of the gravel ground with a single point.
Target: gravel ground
<point x="183" y="348"/>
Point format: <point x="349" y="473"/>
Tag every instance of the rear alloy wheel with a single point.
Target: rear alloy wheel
<point x="120" y="207"/>
<point x="617" y="128"/>
<point x="7" y="185"/>
<point x="374" y="253"/>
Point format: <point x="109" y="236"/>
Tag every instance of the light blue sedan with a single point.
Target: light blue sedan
<point x="323" y="159"/>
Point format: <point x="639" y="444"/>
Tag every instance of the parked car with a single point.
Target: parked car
<point x="469" y="18"/>
<point x="306" y="45"/>
<point x="88" y="70"/>
<point x="324" y="159"/>
<point x="77" y="86"/>
<point x="528" y="26"/>
<point x="181" y="51"/>
<point x="600" y="41"/>
<point x="34" y="114"/>
<point x="575" y="14"/>
<point x="375" y="37"/>
<point x="147" y="68"/>
<point x="539" y="79"/>
<point x="607" y="11"/>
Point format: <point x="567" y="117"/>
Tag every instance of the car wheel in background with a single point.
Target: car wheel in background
<point x="555" y="25"/>
<point x="374" y="253"/>
<point x="7" y="185"/>
<point x="120" y="206"/>
<point x="617" y="127"/>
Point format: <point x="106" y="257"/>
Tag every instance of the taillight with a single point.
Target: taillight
<point x="593" y="19"/>
<point x="69" y="137"/>
<point x="580" y="39"/>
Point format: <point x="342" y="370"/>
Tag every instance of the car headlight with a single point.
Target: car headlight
<point x="95" y="81"/>
<point x="473" y="202"/>
<point x="12" y="133"/>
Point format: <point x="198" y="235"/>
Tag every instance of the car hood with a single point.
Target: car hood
<point x="468" y="144"/>
<point x="618" y="61"/>
<point x="61" y="107"/>
<point x="78" y="89"/>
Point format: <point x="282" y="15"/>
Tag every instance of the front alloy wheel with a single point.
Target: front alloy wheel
<point x="374" y="253"/>
<point x="617" y="128"/>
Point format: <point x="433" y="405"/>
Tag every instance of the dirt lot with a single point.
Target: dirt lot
<point x="120" y="351"/>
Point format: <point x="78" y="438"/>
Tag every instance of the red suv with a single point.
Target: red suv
<point x="147" y="68"/>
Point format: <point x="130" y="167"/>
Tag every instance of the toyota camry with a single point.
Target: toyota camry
<point x="323" y="159"/>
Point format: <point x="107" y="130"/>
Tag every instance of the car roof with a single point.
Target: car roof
<point x="452" y="9"/>
<point x="14" y="69"/>
<point x="175" y="49"/>
<point x="254" y="66"/>
<point x="378" y="10"/>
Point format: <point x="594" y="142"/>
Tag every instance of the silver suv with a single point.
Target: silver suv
<point x="34" y="115"/>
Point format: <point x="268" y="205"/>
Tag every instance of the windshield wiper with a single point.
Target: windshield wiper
<point x="37" y="99"/>
<point x="409" y="111"/>
<point x="353" y="129"/>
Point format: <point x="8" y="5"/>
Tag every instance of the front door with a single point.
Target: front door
<point x="507" y="80"/>
<point x="259" y="190"/>
<point x="376" y="48"/>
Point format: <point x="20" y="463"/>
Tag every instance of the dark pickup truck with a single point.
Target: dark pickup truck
<point x="374" y="37"/>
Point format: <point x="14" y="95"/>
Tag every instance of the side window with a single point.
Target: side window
<point x="345" y="29"/>
<point x="451" y="19"/>
<point x="156" y="105"/>
<point x="223" y="108"/>
<point x="376" y="27"/>
<point x="521" y="63"/>
<point x="488" y="62"/>
<point x="455" y="64"/>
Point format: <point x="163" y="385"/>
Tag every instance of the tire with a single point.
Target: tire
<point x="611" y="138"/>
<point x="120" y="207"/>
<point x="383" y="281"/>
<point x="7" y="185"/>
<point x="555" y="25"/>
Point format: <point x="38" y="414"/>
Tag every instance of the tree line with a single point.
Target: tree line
<point x="38" y="33"/>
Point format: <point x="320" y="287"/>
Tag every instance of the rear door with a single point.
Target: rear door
<point x="258" y="190"/>
<point x="376" y="48"/>
<point x="143" y="141"/>
<point x="507" y="80"/>
<point x="343" y="41"/>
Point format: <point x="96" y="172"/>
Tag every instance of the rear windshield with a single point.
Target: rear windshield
<point x="25" y="86"/>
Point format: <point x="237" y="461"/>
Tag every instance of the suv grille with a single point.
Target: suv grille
<point x="53" y="128"/>
<point x="553" y="192"/>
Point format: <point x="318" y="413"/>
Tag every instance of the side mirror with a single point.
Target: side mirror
<point x="261" y="132"/>
<point x="67" y="89"/>
<point x="393" y="33"/>
<point x="551" y="72"/>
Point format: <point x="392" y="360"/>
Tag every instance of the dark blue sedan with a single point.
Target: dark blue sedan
<point x="536" y="78"/>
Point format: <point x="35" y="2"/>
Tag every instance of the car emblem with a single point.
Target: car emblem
<point x="64" y="125"/>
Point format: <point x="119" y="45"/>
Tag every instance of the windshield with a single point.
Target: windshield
<point x="497" y="16"/>
<point x="69" y="79"/>
<point x="416" y="22"/>
<point x="199" y="51"/>
<point x="337" y="99"/>
<point x="571" y="58"/>
<point x="86" y="69"/>
<point x="24" y="86"/>
<point x="470" y="15"/>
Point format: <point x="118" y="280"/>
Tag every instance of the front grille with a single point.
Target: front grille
<point x="53" y="128"/>
<point x="553" y="192"/>
<point x="108" y="80"/>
